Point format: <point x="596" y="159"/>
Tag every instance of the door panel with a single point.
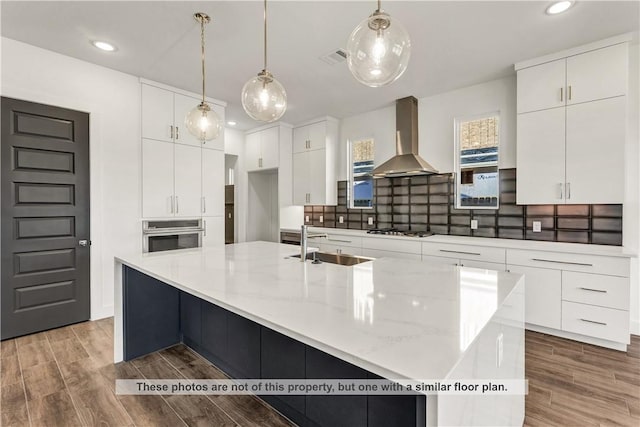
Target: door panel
<point x="317" y="136"/>
<point x="45" y="214"/>
<point x="318" y="177"/>
<point x="252" y="152"/>
<point x="212" y="182"/>
<point x="157" y="179"/>
<point x="300" y="178"/>
<point x="543" y="290"/>
<point x="540" y="87"/>
<point x="188" y="180"/>
<point x="183" y="105"/>
<point x="270" y="147"/>
<point x="157" y="113"/>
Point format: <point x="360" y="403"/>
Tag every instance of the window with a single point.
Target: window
<point x="360" y="155"/>
<point x="476" y="156"/>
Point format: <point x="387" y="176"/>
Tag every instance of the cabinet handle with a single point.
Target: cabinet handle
<point x="177" y="133"/>
<point x="569" y="94"/>
<point x="338" y="240"/>
<point x="459" y="252"/>
<point x="568" y="190"/>
<point x="338" y="251"/>
<point x="562" y="262"/>
<point x="177" y="205"/>
<point x="204" y="228"/>
<point x="203" y="200"/>
<point x="561" y="94"/>
<point x="593" y="321"/>
<point x="560" y="190"/>
<point x="171" y="131"/>
<point x="171" y="204"/>
<point x="260" y="162"/>
<point x="593" y="290"/>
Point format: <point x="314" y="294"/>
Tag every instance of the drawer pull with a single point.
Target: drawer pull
<point x="562" y="262"/>
<point x="338" y="240"/>
<point x="593" y="290"/>
<point x="593" y="321"/>
<point x="460" y="252"/>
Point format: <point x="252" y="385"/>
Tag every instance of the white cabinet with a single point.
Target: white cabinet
<point x="571" y="128"/>
<point x="157" y="179"/>
<point x="314" y="160"/>
<point x="263" y="149"/>
<point x="187" y="180"/>
<point x="212" y="183"/>
<point x="213" y="231"/>
<point x="163" y="114"/>
<point x="543" y="290"/>
<point x="310" y="137"/>
<point x="577" y="296"/>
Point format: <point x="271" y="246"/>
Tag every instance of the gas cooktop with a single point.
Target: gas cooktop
<point x="400" y="232"/>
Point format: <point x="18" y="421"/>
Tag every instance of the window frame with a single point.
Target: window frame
<point x="350" y="173"/>
<point x="457" y="121"/>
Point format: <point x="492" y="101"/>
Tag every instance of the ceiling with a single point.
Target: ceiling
<point x="454" y="43"/>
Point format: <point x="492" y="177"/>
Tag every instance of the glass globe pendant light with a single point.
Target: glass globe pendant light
<point x="202" y="122"/>
<point x="263" y="97"/>
<point x="378" y="50"/>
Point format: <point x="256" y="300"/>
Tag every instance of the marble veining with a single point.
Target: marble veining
<point x="397" y="318"/>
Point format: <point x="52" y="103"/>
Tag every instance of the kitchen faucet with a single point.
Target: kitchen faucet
<point x="304" y="235"/>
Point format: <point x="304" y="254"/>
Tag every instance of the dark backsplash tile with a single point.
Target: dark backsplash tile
<point x="427" y="203"/>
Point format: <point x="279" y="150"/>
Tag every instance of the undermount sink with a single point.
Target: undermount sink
<point x="340" y="259"/>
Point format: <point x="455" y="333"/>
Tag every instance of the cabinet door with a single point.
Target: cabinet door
<point x="270" y="148"/>
<point x="318" y="177"/>
<point x="243" y="338"/>
<point x="472" y="263"/>
<point x="188" y="180"/>
<point x="542" y="86"/>
<point x="182" y="105"/>
<point x="213" y="235"/>
<point x="212" y="183"/>
<point x="540" y="157"/>
<point x="157" y="113"/>
<point x="190" y="319"/>
<point x="543" y="295"/>
<point x="300" y="139"/>
<point x="317" y="136"/>
<point x="597" y="74"/>
<point x="300" y="178"/>
<point x="252" y="152"/>
<point x="214" y="330"/>
<point x="157" y="179"/>
<point x="595" y="151"/>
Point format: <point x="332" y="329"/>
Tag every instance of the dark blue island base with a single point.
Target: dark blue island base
<point x="157" y="315"/>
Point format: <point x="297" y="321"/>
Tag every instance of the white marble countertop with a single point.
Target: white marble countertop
<point x="575" y="248"/>
<point x="395" y="318"/>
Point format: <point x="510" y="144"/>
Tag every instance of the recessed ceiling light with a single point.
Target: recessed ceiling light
<point x="107" y="47"/>
<point x="559" y="7"/>
<point x="231" y="123"/>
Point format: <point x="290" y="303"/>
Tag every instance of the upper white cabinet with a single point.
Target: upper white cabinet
<point x="181" y="176"/>
<point x="571" y="127"/>
<point x="163" y="114"/>
<point x="314" y="160"/>
<point x="263" y="149"/>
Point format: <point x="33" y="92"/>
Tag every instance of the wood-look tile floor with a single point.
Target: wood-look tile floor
<point x="66" y="377"/>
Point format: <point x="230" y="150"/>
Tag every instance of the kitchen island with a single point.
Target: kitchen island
<point x="256" y="312"/>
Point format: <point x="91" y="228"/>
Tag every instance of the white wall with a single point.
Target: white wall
<point x="435" y="124"/>
<point x="113" y="101"/>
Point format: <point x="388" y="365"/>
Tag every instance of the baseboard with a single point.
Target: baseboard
<point x="102" y="313"/>
<point x="577" y="337"/>
<point x="635" y="327"/>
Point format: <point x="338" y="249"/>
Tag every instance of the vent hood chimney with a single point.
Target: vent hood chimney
<point x="406" y="162"/>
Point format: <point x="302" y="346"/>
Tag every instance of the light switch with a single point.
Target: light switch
<point x="341" y="219"/>
<point x="321" y="218"/>
<point x="370" y="220"/>
<point x="537" y="226"/>
<point x="474" y="224"/>
<point x="306" y="218"/>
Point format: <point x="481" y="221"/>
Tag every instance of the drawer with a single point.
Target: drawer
<point x="336" y="249"/>
<point x="463" y="252"/>
<point x="338" y="239"/>
<point x="483" y="264"/>
<point x="571" y="262"/>
<point x="599" y="322"/>
<point x="377" y="253"/>
<point x="596" y="289"/>
<point x="393" y="245"/>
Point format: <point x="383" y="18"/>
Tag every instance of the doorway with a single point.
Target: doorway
<point x="45" y="244"/>
<point x="263" y="222"/>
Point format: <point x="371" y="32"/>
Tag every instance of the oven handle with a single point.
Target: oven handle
<point x="172" y="231"/>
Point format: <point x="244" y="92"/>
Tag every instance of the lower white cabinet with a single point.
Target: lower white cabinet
<point x="598" y="322"/>
<point x="212" y="183"/>
<point x="543" y="295"/>
<point x="380" y="253"/>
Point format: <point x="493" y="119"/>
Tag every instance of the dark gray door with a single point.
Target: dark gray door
<point x="45" y="217"/>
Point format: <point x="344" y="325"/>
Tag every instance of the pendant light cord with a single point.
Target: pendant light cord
<point x="265" y="35"/>
<point x="202" y="52"/>
<point x="379" y="5"/>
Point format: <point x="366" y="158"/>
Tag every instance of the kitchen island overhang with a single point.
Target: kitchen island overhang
<point x="391" y="318"/>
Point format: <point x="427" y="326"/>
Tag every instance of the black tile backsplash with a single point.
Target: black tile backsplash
<point x="427" y="203"/>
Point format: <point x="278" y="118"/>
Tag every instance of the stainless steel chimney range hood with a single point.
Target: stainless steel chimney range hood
<point x="407" y="162"/>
